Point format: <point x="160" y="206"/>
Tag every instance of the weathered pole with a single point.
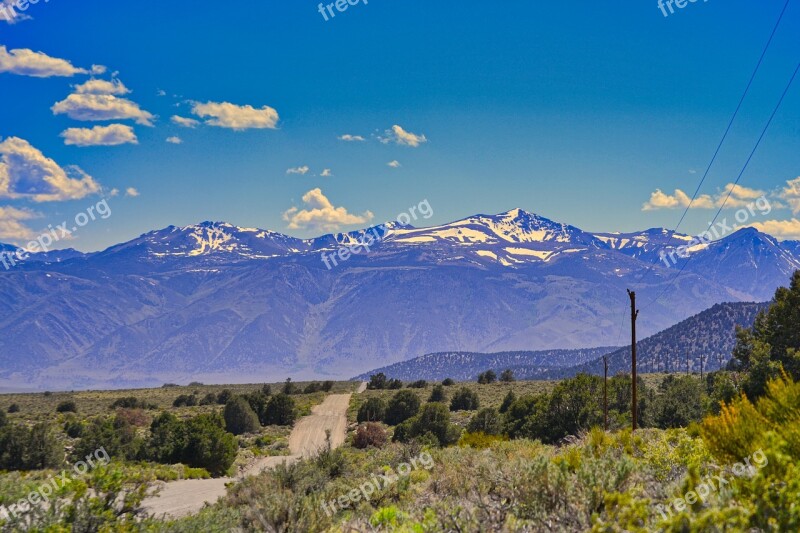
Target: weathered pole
<point x="634" y="315"/>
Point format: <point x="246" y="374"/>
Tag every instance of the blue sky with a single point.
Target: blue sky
<point x="578" y="111"/>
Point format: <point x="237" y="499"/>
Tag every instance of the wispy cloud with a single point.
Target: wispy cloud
<point x="739" y="196"/>
<point x="174" y="140"/>
<point x="402" y="137"/>
<point x="320" y="214"/>
<point x="185" y="122"/>
<point x="236" y="117"/>
<point x="782" y="229"/>
<point x="111" y="135"/>
<point x="26" y="173"/>
<point x="132" y="192"/>
<point x="298" y="170"/>
<point x="95" y="86"/>
<point x="326" y="173"/>
<point x="394" y="164"/>
<point x="12" y="227"/>
<point x="89" y="107"/>
<point x="26" y="62"/>
<point x="351" y="138"/>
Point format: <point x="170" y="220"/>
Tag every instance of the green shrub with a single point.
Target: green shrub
<point x="185" y="400"/>
<point x="209" y="399"/>
<point x="67" y="406"/>
<point x="464" y="400"/>
<point x="487" y="378"/>
<point x="487" y="421"/>
<point x="432" y="422"/>
<point x="225" y="396"/>
<point x="437" y="394"/>
<point x="507" y="401"/>
<point x="419" y="384"/>
<point x="280" y="411"/>
<point x="402" y="406"/>
<point x="507" y="376"/>
<point x="13" y="408"/>
<point x="372" y="410"/>
<point x="240" y="418"/>
<point x="448" y="382"/>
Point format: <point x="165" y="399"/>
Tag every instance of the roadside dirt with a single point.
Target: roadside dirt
<point x="185" y="497"/>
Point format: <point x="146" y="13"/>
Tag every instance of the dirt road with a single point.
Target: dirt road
<point x="181" y="498"/>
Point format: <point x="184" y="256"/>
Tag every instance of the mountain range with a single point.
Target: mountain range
<point x="703" y="342"/>
<point x="218" y="303"/>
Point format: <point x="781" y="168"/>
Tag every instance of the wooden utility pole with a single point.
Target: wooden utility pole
<point x="634" y="315"/>
<point x="605" y="391"/>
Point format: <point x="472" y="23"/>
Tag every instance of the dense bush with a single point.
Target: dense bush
<point x="772" y="345"/>
<point x="377" y="381"/>
<point x="680" y="401"/>
<point x="402" y="406"/>
<point x="507" y="376"/>
<point x="290" y="387"/>
<point x="13" y="408"/>
<point x="372" y="410"/>
<point x="487" y="421"/>
<point x="448" y="382"/>
<point x="507" y="401"/>
<point x="200" y="442"/>
<point x="432" y="425"/>
<point x="113" y="433"/>
<point x="131" y="402"/>
<point x="419" y="384"/>
<point x="67" y="406"/>
<point x="209" y="399"/>
<point x="370" y="434"/>
<point x="185" y="400"/>
<point x="240" y="418"/>
<point x="280" y="411"/>
<point x="437" y="394"/>
<point x="464" y="400"/>
<point x="22" y="448"/>
<point x="327" y="386"/>
<point x="487" y="378"/>
<point x="224" y="396"/>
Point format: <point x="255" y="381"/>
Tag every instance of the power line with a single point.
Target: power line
<point x="738" y="178"/>
<point x="713" y="158"/>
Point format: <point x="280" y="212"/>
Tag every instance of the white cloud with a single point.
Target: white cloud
<point x="174" y="140"/>
<point x="95" y="86"/>
<point x="402" y="137"/>
<point x="101" y="107"/>
<point x="782" y="229"/>
<point x="326" y="173"/>
<point x="161" y="92"/>
<point x="791" y="194"/>
<point x="26" y="62"/>
<point x="739" y="197"/>
<point x="235" y="117"/>
<point x="12" y="227"/>
<point x="185" y="122"/>
<point x="298" y="170"/>
<point x="113" y="192"/>
<point x="351" y="138"/>
<point x="111" y="135"/>
<point x="132" y="192"/>
<point x="320" y="214"/>
<point x="26" y="173"/>
<point x="394" y="164"/>
<point x="98" y="69"/>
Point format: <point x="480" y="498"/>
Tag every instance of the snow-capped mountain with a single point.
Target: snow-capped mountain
<point x="215" y="302"/>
